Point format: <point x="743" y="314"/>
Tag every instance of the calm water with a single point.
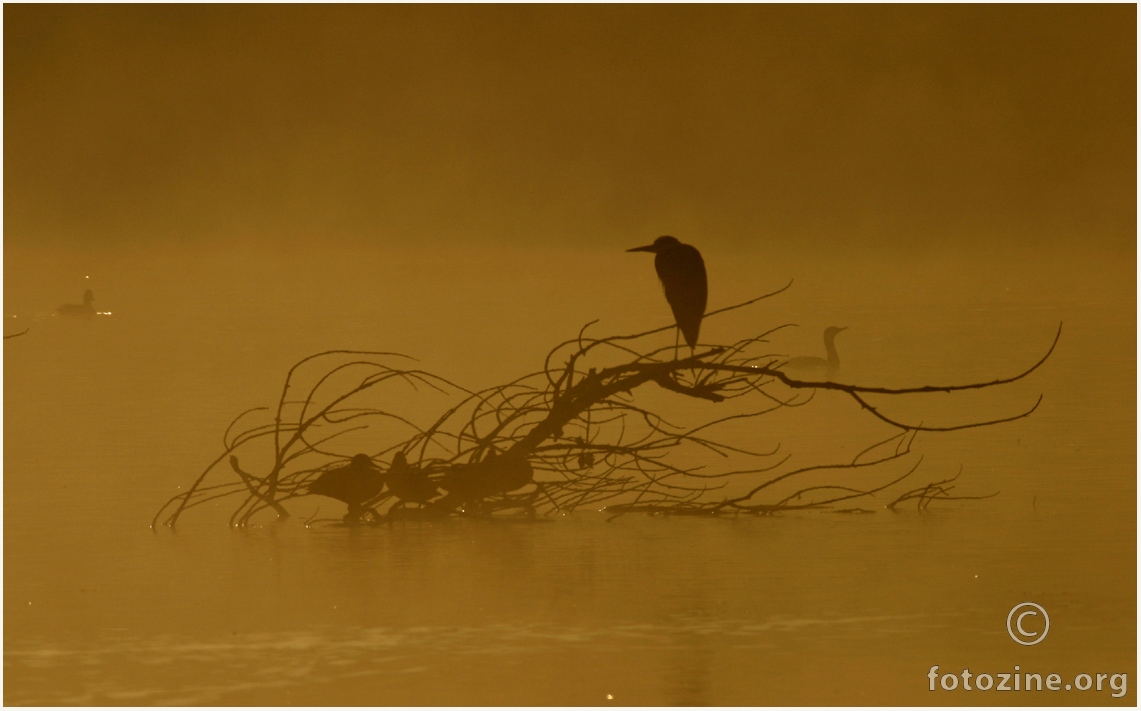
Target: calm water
<point x="104" y="420"/>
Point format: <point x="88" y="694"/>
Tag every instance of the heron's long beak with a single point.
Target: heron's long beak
<point x="647" y="248"/>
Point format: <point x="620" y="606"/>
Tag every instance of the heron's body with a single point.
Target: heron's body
<point x="355" y="483"/>
<point x="80" y="310"/>
<point x="682" y="273"/>
<point x="409" y="483"/>
<point x="813" y="367"/>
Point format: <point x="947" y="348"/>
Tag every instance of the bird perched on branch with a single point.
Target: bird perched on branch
<point x="496" y="474"/>
<point x="682" y="273"/>
<point x="84" y="309"/>
<point x="355" y="483"/>
<point x="409" y="483"/>
<point x="811" y="366"/>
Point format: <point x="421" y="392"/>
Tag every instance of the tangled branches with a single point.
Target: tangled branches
<point x="582" y="432"/>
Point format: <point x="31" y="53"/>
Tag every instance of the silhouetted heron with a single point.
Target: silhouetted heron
<point x="355" y="483"/>
<point x="84" y="309"/>
<point x="682" y="273"/>
<point x="409" y="483"/>
<point x="816" y="367"/>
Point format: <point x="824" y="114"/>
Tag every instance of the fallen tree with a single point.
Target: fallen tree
<point x="577" y="433"/>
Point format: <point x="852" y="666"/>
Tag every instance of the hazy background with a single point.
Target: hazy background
<point x="777" y="129"/>
<point x="244" y="186"/>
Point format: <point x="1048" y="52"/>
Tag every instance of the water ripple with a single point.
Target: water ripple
<point x="168" y="669"/>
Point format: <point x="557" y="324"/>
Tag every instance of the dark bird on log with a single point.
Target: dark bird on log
<point x="409" y="483"/>
<point x="355" y="483"/>
<point x="84" y="309"/>
<point x="811" y="366"/>
<point x="497" y="474"/>
<point x="682" y="273"/>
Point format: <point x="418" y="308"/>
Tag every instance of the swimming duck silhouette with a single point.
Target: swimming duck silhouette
<point x="817" y="368"/>
<point x="78" y="310"/>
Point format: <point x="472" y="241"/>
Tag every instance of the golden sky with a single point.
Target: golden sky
<point x="753" y="127"/>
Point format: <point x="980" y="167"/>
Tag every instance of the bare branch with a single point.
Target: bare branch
<point x="576" y="434"/>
